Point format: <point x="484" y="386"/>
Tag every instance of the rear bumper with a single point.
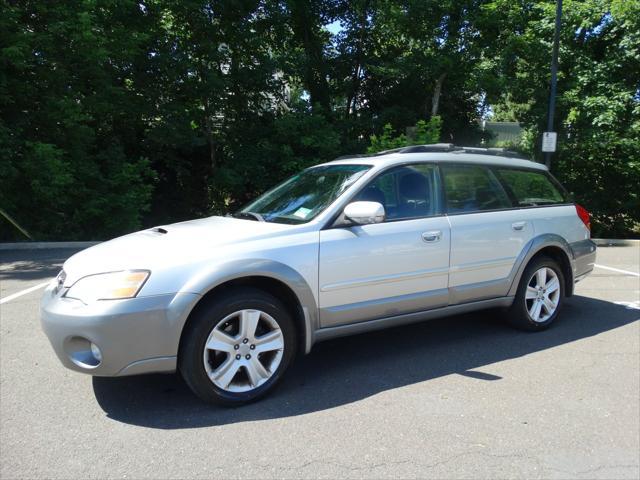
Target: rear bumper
<point x="584" y="258"/>
<point x="138" y="335"/>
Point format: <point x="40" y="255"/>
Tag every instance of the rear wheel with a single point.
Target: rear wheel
<point x="237" y="348"/>
<point x="539" y="297"/>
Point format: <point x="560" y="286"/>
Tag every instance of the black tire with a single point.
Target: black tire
<point x="518" y="314"/>
<point x="201" y="324"/>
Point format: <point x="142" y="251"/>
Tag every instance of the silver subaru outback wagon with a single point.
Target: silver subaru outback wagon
<point x="348" y="246"/>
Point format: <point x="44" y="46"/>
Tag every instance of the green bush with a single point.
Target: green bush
<point x="425" y="132"/>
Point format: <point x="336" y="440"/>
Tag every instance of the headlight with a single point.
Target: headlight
<point x="108" y="286"/>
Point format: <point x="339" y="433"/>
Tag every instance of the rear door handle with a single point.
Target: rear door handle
<point x="518" y="225"/>
<point x="433" y="236"/>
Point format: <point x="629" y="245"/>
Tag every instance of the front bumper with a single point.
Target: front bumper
<point x="137" y="335"/>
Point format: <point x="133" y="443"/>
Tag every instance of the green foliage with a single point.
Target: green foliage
<point x="603" y="172"/>
<point x="387" y="140"/>
<point x="598" y="107"/>
<point x="120" y="114"/>
<point x="423" y="133"/>
<point x="68" y="128"/>
<point x="269" y="150"/>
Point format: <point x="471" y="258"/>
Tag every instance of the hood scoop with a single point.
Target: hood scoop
<point x="159" y="230"/>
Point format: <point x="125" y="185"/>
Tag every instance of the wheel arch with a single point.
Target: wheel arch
<point x="274" y="278"/>
<point x="553" y="246"/>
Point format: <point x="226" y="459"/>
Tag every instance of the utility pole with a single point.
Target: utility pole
<point x="549" y="138"/>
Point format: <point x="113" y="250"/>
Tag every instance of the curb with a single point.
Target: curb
<point x="615" y="242"/>
<point x="45" y="245"/>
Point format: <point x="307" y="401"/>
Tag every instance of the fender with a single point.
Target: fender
<point x="209" y="279"/>
<point x="534" y="246"/>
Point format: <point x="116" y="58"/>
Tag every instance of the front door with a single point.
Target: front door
<point x="391" y="268"/>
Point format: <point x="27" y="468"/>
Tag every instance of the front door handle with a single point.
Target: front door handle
<point x="433" y="236"/>
<point x="518" y="226"/>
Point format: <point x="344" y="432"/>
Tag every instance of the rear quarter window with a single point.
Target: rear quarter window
<point x="529" y="188"/>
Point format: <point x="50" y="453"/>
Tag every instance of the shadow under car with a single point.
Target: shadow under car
<point x="346" y="370"/>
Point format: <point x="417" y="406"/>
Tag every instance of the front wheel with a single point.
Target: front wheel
<point x="237" y="347"/>
<point x="539" y="297"/>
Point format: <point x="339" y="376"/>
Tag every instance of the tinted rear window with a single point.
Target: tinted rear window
<point x="471" y="188"/>
<point x="530" y="188"/>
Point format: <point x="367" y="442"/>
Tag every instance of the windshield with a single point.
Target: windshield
<point x="303" y="196"/>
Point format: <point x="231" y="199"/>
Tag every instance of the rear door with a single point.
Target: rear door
<point x="390" y="268"/>
<point x="487" y="233"/>
<point x="544" y="201"/>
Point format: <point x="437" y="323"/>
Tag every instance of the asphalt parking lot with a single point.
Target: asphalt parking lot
<point x="463" y="397"/>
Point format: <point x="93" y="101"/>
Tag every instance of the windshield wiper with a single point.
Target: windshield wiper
<point x="250" y="216"/>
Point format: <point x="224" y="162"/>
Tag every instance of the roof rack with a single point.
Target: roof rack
<point x="365" y="155"/>
<point x="491" y="151"/>
<point x="432" y="147"/>
<point x="440" y="148"/>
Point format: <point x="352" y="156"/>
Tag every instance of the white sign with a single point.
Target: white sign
<point x="549" y="141"/>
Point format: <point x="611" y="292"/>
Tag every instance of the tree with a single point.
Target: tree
<point x="423" y="133"/>
<point x="117" y="115"/>
<point x="598" y="114"/>
<point x="69" y="119"/>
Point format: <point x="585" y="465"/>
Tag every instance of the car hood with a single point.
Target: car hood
<point x="168" y="245"/>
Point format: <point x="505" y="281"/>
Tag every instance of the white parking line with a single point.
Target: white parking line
<point x="24" y="292"/>
<point x="628" y="272"/>
<point x="630" y="305"/>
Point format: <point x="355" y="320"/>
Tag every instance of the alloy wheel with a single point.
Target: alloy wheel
<point x="243" y="350"/>
<point x="542" y="295"/>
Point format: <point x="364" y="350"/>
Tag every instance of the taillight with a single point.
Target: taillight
<point x="584" y="215"/>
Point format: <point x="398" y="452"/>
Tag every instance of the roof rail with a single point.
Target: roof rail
<point x="492" y="151"/>
<point x="441" y="148"/>
<point x="432" y="147"/>
<point x="450" y="147"/>
<point x="365" y="155"/>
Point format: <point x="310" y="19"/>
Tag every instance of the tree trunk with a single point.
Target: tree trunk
<point x="353" y="93"/>
<point x="304" y="26"/>
<point x="435" y="101"/>
<point x="209" y="130"/>
<point x="355" y="79"/>
<point x="212" y="150"/>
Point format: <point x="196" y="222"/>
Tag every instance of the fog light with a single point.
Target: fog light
<point x="96" y="352"/>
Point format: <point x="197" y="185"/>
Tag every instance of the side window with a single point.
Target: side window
<point x="530" y="188"/>
<point x="405" y="192"/>
<point x="471" y="188"/>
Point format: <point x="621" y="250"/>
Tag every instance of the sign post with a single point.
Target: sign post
<point x="554" y="81"/>
<point x="549" y="140"/>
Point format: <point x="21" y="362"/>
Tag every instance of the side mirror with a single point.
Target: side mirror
<point x="363" y="213"/>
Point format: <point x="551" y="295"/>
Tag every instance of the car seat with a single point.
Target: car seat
<point x="414" y="195"/>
